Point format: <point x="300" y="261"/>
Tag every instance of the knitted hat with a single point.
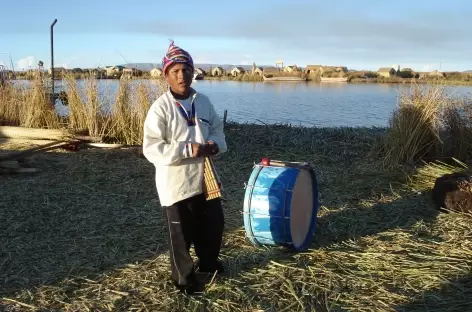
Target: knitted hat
<point x="176" y="55"/>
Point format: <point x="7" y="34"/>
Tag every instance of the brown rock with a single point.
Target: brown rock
<point x="454" y="192"/>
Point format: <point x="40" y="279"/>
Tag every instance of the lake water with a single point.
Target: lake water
<point x="307" y="104"/>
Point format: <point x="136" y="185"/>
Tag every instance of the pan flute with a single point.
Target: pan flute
<point x="212" y="186"/>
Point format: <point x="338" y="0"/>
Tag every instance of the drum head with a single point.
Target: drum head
<point x="301" y="209"/>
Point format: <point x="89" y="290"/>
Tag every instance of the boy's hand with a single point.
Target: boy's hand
<point x="212" y="148"/>
<point x="196" y="149"/>
<point x="208" y="149"/>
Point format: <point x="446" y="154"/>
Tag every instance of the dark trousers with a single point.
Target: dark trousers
<point x="198" y="221"/>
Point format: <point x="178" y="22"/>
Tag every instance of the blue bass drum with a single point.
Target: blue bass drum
<point x="281" y="204"/>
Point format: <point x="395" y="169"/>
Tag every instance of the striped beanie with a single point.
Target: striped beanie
<point x="176" y="55"/>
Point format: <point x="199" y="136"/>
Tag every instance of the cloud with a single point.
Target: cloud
<point x="416" y="31"/>
<point x="26" y="62"/>
<point x="304" y="32"/>
<point x="426" y="35"/>
<point x="427" y="68"/>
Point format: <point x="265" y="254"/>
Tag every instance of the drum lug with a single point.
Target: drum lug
<point x="247" y="185"/>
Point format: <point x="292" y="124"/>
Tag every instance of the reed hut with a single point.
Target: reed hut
<point x="217" y="71"/>
<point x="236" y="71"/>
<point x="291" y="69"/>
<point x="312" y="69"/>
<point x="387" y="72"/>
<point x="156" y="73"/>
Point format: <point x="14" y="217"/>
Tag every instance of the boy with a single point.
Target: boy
<point x="180" y="129"/>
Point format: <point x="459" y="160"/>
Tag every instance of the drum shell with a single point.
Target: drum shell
<point x="267" y="205"/>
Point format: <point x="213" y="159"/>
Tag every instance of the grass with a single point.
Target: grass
<point x="426" y="175"/>
<point x="29" y="107"/>
<point x="427" y="124"/>
<point x="87" y="111"/>
<point x="92" y="237"/>
<point x="87" y="233"/>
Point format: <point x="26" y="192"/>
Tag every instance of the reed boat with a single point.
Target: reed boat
<point x="340" y="79"/>
<point x="283" y="78"/>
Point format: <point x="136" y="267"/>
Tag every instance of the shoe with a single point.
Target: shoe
<point x="194" y="288"/>
<point x="217" y="267"/>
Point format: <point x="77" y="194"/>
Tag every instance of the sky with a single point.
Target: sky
<point x="358" y="34"/>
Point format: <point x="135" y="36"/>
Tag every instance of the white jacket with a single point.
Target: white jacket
<point x="166" y="144"/>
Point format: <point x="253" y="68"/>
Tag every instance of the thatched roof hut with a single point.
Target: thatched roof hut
<point x="156" y="72"/>
<point x="386" y="71"/>
<point x="217" y="71"/>
<point x="237" y="71"/>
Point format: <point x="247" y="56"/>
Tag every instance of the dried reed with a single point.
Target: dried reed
<point x="424" y="126"/>
<point x="31" y="107"/>
<point x="92" y="237"/>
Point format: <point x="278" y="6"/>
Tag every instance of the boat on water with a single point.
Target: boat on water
<point x="339" y="79"/>
<point x="284" y="78"/>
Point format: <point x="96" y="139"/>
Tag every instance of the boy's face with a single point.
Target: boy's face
<point x="179" y="77"/>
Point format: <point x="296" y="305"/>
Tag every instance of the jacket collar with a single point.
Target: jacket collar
<point x="193" y="93"/>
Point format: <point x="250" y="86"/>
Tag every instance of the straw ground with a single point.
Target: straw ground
<point x="87" y="234"/>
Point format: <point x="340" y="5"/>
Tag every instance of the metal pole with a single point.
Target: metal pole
<point x="52" y="61"/>
<point x="12" y="66"/>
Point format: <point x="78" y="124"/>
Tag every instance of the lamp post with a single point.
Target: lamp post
<point x="52" y="61"/>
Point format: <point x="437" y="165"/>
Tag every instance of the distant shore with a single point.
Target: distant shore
<point x="352" y="78"/>
<point x="410" y="80"/>
<point x="381" y="80"/>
